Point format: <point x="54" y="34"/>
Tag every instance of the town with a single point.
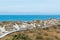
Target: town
<point x="10" y="27"/>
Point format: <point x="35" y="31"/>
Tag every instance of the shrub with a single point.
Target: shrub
<point x="46" y="34"/>
<point x="46" y="28"/>
<point x="56" y="37"/>
<point x="58" y="31"/>
<point x="21" y="37"/>
<point x="49" y="38"/>
<point x="55" y="27"/>
<point x="39" y="37"/>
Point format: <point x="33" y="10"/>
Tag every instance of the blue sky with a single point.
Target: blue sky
<point x="45" y="6"/>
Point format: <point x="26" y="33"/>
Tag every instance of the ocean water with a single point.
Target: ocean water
<point x="27" y="17"/>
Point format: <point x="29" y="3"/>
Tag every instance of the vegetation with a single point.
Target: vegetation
<point x="39" y="38"/>
<point x="43" y="34"/>
<point x="48" y="38"/>
<point x="47" y="28"/>
<point x="21" y="37"/>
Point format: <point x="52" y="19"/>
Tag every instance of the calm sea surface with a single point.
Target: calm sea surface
<point x="27" y="17"/>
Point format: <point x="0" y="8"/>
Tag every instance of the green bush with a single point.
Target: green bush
<point x="21" y="37"/>
<point x="46" y="28"/>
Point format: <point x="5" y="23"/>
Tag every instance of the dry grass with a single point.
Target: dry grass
<point x="42" y="34"/>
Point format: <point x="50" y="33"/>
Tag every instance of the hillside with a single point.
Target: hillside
<point x="33" y="30"/>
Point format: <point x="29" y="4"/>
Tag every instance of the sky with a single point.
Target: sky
<point x="36" y="6"/>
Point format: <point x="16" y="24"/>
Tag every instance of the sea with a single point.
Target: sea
<point x="27" y="17"/>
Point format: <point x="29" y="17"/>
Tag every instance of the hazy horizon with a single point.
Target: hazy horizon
<point x="28" y="13"/>
<point x="30" y="7"/>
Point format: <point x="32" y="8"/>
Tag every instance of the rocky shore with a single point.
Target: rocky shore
<point x="8" y="27"/>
